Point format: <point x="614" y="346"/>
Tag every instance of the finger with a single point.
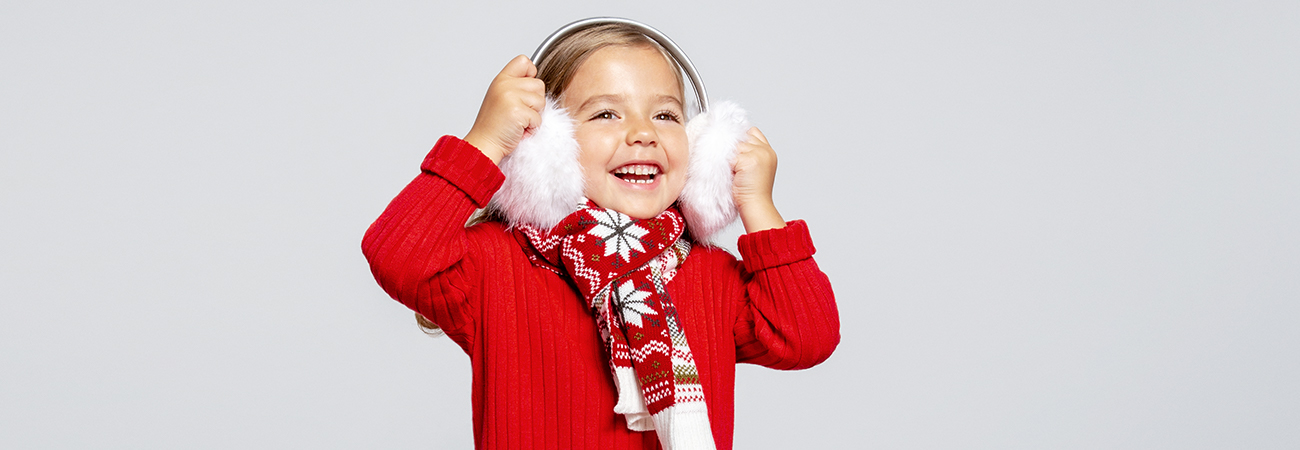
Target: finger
<point x="533" y="100"/>
<point x="533" y="85"/>
<point x="532" y="120"/>
<point x="746" y="146"/>
<point x="743" y="162"/>
<point x="520" y="67"/>
<point x="753" y="131"/>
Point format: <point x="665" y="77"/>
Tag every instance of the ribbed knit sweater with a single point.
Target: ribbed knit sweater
<point x="540" y="373"/>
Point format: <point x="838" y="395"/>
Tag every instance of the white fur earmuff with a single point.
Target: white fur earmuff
<point x="544" y="181"/>
<point x="707" y="201"/>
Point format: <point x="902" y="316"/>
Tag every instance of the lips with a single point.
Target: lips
<point x="637" y="173"/>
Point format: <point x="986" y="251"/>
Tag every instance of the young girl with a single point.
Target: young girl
<point x="614" y="322"/>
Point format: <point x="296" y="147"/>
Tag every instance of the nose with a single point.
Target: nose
<point x="642" y="132"/>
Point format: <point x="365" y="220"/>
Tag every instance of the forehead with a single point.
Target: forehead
<point x="627" y="70"/>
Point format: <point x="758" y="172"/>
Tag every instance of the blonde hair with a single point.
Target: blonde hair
<point x="557" y="71"/>
<point x="566" y="56"/>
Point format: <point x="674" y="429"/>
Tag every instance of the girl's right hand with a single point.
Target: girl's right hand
<point x="511" y="110"/>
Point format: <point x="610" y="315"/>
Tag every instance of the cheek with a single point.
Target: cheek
<point x="597" y="183"/>
<point x="592" y="170"/>
<point x="679" y="151"/>
<point x="680" y="157"/>
<point x="588" y="153"/>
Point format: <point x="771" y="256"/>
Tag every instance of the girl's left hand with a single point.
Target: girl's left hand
<point x="754" y="173"/>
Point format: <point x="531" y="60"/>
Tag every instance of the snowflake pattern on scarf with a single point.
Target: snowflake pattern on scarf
<point x="636" y="317"/>
<point x="618" y="233"/>
<point x="632" y="302"/>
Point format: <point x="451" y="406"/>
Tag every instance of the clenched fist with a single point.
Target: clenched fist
<point x="753" y="175"/>
<point x="511" y="110"/>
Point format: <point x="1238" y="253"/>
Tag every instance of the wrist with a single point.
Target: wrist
<point x="493" y="152"/>
<point x="760" y="216"/>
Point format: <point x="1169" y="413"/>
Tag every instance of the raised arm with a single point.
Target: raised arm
<point x="417" y="247"/>
<point x="788" y="319"/>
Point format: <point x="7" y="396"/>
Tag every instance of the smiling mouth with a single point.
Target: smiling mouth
<point x="637" y="173"/>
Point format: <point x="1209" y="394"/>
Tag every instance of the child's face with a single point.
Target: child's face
<point x="630" y="125"/>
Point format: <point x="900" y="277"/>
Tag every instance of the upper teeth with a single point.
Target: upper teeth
<point x="638" y="169"/>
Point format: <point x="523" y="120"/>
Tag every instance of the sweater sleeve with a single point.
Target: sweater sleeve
<point x="417" y="248"/>
<point x="788" y="319"/>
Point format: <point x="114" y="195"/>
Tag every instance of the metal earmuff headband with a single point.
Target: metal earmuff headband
<point x="701" y="98"/>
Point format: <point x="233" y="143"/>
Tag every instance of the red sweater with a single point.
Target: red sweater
<point x="541" y="376"/>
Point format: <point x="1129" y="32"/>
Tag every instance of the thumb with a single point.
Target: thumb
<point x="520" y="67"/>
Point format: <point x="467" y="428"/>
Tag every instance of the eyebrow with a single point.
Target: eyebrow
<point x="669" y="99"/>
<point x="600" y="98"/>
<point x="616" y="98"/>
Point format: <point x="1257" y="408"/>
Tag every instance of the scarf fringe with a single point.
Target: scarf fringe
<point x="631" y="402"/>
<point x="685" y="426"/>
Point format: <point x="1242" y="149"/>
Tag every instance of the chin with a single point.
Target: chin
<point x="646" y="213"/>
<point x="635" y="209"/>
<point x="644" y="201"/>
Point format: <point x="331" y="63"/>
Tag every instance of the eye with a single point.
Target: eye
<point x="604" y="115"/>
<point x="669" y="116"/>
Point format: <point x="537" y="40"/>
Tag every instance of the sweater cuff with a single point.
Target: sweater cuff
<point x="465" y="167"/>
<point x="779" y="246"/>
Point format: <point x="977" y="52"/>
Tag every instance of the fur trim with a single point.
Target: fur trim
<point x="707" y="200"/>
<point x="544" y="181"/>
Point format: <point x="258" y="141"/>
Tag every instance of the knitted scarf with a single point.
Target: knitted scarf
<point x="621" y="266"/>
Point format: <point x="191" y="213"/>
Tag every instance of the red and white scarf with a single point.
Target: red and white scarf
<point x="621" y="266"/>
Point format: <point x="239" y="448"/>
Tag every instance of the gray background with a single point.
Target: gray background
<point x="1049" y="225"/>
